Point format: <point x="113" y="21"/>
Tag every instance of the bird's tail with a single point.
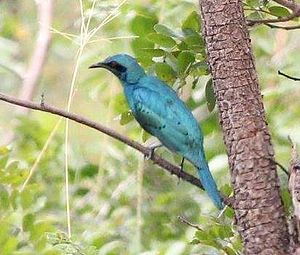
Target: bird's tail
<point x="208" y="182"/>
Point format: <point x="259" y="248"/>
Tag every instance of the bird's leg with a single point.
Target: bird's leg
<point x="152" y="148"/>
<point x="181" y="169"/>
<point x="181" y="165"/>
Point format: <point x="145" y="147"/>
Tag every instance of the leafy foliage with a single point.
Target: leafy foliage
<point x="105" y="191"/>
<point x="172" y="55"/>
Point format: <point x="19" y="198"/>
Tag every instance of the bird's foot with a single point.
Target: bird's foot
<point x="149" y="155"/>
<point x="152" y="148"/>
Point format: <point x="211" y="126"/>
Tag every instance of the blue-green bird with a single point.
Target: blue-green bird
<point x="159" y="111"/>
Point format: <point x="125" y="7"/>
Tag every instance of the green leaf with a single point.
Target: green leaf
<point x="229" y="213"/>
<point x="195" y="82"/>
<point x="27" y="197"/>
<point x="254" y="16"/>
<point x="210" y="96"/>
<point x="153" y="52"/>
<point x="225" y="231"/>
<point x="142" y="25"/>
<point x="165" y="72"/>
<point x="9" y="246"/>
<point x="226" y="189"/>
<point x="162" y="40"/>
<point x="89" y="171"/>
<point x="200" y="68"/>
<point x="195" y="42"/>
<point x="253" y="3"/>
<point x="192" y="22"/>
<point x="201" y="235"/>
<point x="287" y="199"/>
<point x="185" y="60"/>
<point x="145" y="136"/>
<point x="126" y="117"/>
<point x="4" y="155"/>
<point x="195" y="241"/>
<point x="81" y="191"/>
<point x="162" y="29"/>
<point x="4" y="197"/>
<point x="229" y="250"/>
<point x="28" y="221"/>
<point x="279" y="11"/>
<point x="138" y="45"/>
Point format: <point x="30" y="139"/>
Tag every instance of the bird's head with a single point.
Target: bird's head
<point x="123" y="66"/>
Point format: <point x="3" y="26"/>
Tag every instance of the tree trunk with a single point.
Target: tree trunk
<point x="258" y="206"/>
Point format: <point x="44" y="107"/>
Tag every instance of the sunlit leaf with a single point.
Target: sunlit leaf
<point x="89" y="171"/>
<point x="161" y="40"/>
<point x="279" y="11"/>
<point x="164" y="30"/>
<point x="164" y="71"/>
<point x="185" y="60"/>
<point x="28" y="221"/>
<point x="210" y="96"/>
<point x="4" y="197"/>
<point x="192" y="22"/>
<point x="126" y="117"/>
<point x="142" y="25"/>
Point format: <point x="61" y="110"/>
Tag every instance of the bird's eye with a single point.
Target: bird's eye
<point x="115" y="65"/>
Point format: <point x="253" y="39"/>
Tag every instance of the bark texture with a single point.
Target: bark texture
<point x="258" y="206"/>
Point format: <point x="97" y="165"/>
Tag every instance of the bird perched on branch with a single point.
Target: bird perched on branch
<point x="159" y="111"/>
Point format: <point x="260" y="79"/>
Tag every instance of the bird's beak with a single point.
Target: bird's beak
<point x="99" y="65"/>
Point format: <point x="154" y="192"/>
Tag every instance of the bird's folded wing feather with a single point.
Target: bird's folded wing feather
<point x="155" y="111"/>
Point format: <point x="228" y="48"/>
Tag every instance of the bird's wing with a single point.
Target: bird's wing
<point x="165" y="116"/>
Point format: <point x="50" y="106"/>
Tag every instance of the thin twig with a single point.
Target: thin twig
<point x="288" y="76"/>
<point x="281" y="19"/>
<point x="184" y="220"/>
<point x="283" y="27"/>
<point x="82" y="120"/>
<point x="282" y="168"/>
<point x="290" y="4"/>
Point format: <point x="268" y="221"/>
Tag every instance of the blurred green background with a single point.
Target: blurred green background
<point x="119" y="203"/>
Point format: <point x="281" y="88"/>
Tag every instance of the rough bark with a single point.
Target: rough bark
<point x="258" y="206"/>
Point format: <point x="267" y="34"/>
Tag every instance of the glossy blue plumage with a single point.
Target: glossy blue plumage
<point x="161" y="113"/>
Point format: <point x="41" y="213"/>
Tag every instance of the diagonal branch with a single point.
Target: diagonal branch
<point x="288" y="76"/>
<point x="266" y="21"/>
<point x="283" y="27"/>
<point x="82" y="120"/>
<point x="292" y="5"/>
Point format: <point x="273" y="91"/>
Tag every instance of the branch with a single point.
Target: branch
<point x="266" y="21"/>
<point x="288" y="76"/>
<point x="33" y="73"/>
<point x="283" y="27"/>
<point x="184" y="220"/>
<point x="82" y="120"/>
<point x="292" y="5"/>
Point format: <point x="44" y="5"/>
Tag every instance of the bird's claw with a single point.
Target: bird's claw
<point x="151" y="150"/>
<point x="149" y="155"/>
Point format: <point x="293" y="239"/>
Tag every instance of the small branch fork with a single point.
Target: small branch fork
<point x="288" y="76"/>
<point x="295" y="12"/>
<point x="82" y="120"/>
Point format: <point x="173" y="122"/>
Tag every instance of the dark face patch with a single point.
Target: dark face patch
<point x="116" y="66"/>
